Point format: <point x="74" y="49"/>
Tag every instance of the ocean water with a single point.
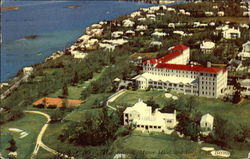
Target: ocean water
<point x="56" y="25"/>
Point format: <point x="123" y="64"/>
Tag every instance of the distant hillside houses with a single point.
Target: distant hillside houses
<point x="172" y="72"/>
<point x="141" y="117"/>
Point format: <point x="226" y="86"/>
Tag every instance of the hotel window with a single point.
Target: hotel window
<point x="159" y="127"/>
<point x="155" y="127"/>
<point x="151" y="126"/>
<point x="138" y="126"/>
<point x="142" y="126"/>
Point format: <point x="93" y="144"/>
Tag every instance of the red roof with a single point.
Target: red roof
<point x="195" y="68"/>
<point x="151" y="61"/>
<point x="180" y="47"/>
<point x="169" y="56"/>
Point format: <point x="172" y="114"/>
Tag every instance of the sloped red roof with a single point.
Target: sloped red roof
<point x="169" y="56"/>
<point x="151" y="61"/>
<point x="195" y="68"/>
<point x="180" y="47"/>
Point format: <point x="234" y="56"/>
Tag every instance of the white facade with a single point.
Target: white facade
<point x="207" y="123"/>
<point x="142" y="118"/>
<point x="245" y="53"/>
<point x="231" y="33"/>
<point x="27" y="70"/>
<point x="207" y="47"/>
<point x="172" y="72"/>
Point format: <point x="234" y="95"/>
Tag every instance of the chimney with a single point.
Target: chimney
<point x="209" y="64"/>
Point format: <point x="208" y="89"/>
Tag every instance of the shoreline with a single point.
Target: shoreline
<point x="10" y="8"/>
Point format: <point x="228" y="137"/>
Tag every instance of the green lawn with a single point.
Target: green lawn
<point x="32" y="124"/>
<point x="162" y="146"/>
<point x="75" y="91"/>
<point x="129" y="98"/>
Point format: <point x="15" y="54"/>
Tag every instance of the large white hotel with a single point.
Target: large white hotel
<point x="173" y="72"/>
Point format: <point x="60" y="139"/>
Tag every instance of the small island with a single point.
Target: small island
<point x="73" y="6"/>
<point x="9" y="8"/>
<point x="31" y="37"/>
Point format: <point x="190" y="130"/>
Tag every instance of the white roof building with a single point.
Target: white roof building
<point x="245" y="53"/>
<point x="135" y="14"/>
<point x="207" y="123"/>
<point x="107" y="47"/>
<point x="231" y="33"/>
<point x="155" y="43"/>
<point x="141" y="27"/>
<point x="116" y="42"/>
<point x="128" y="23"/>
<point x="79" y="55"/>
<point x="141" y="19"/>
<point x="209" y="14"/>
<point x="159" y="34"/>
<point x="220" y="13"/>
<point x="142" y="118"/>
<point x="207" y="46"/>
<point x="182" y="33"/>
<point x="117" y="34"/>
<point x="27" y="70"/>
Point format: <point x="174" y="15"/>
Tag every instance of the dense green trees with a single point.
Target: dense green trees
<point x="92" y="131"/>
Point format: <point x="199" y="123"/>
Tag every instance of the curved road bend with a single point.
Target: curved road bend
<point x="39" y="142"/>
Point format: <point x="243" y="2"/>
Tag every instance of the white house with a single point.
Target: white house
<point x="117" y="34"/>
<point x="158" y="34"/>
<point x="209" y="14"/>
<point x="128" y="23"/>
<point x="141" y="27"/>
<point x="182" y="33"/>
<point x="220" y="13"/>
<point x="135" y="14"/>
<point x="142" y="118"/>
<point x="231" y="33"/>
<point x="156" y="43"/>
<point x="27" y="70"/>
<point x="207" y="47"/>
<point x="245" y="53"/>
<point x="173" y="72"/>
<point x="206" y="124"/>
<point x="245" y="84"/>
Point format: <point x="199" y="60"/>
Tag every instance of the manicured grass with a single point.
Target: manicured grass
<point x="235" y="113"/>
<point x="32" y="124"/>
<point x="162" y="146"/>
<point x="155" y="146"/>
<point x="129" y="98"/>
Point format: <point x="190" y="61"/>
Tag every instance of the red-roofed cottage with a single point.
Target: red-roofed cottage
<point x="173" y="72"/>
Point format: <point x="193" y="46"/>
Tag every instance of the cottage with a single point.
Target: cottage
<point x="187" y="13"/>
<point x="245" y="85"/>
<point x="160" y="14"/>
<point x="220" y="13"/>
<point x="130" y="33"/>
<point x="209" y="14"/>
<point x="245" y="53"/>
<point x="117" y="34"/>
<point x="231" y="33"/>
<point x="150" y="15"/>
<point x="107" y="47"/>
<point x="78" y="54"/>
<point x="48" y="102"/>
<point x="141" y="27"/>
<point x="206" y="124"/>
<point x="182" y="33"/>
<point x="116" y="42"/>
<point x="128" y="23"/>
<point x="212" y="23"/>
<point x="244" y="26"/>
<point x="27" y="70"/>
<point x="182" y="11"/>
<point x="158" y="34"/>
<point x="135" y="14"/>
<point x="171" y="25"/>
<point x="234" y="65"/>
<point x="144" y="119"/>
<point x="154" y="8"/>
<point x="141" y="19"/>
<point x="171" y="10"/>
<point x="207" y="47"/>
<point x="245" y="14"/>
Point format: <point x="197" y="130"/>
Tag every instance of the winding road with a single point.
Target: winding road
<point x="39" y="142"/>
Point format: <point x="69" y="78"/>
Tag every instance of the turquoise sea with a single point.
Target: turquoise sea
<point x="56" y="25"/>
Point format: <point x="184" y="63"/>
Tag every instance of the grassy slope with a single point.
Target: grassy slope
<point x="32" y="124"/>
<point x="75" y="91"/>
